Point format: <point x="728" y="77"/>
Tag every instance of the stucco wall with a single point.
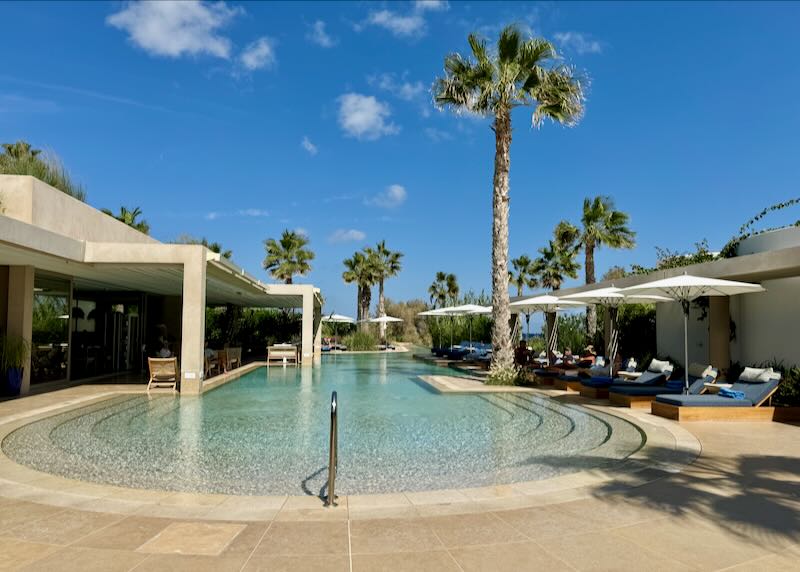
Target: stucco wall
<point x="669" y="333"/>
<point x="3" y="297"/>
<point x="32" y="201"/>
<point x="772" y="240"/>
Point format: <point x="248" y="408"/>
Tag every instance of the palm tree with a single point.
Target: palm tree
<point x="525" y="274"/>
<point x="521" y="72"/>
<point x="212" y="246"/>
<point x="288" y="256"/>
<point x="129" y="217"/>
<point x="556" y="261"/>
<point x="361" y="269"/>
<point x="20" y="150"/>
<point x="387" y="264"/>
<point x="444" y="289"/>
<point x="603" y="225"/>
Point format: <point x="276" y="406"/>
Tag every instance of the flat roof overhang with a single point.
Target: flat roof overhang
<point x="151" y="268"/>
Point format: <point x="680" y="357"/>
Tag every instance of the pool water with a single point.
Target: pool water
<point x="267" y="433"/>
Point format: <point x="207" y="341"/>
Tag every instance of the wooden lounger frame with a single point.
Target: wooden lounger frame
<point x="756" y="412"/>
<point x="566" y="385"/>
<point x="632" y="401"/>
<point x="282" y="355"/>
<point x="594" y="392"/>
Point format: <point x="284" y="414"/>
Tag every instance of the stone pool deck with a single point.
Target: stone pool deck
<point x="698" y="496"/>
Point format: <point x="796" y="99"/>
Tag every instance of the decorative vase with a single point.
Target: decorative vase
<point x="13" y="380"/>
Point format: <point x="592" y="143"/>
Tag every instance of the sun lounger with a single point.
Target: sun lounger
<point x="757" y="389"/>
<point x="283" y="354"/>
<point x="164" y="372"/>
<point x="632" y="394"/>
<point x="658" y="372"/>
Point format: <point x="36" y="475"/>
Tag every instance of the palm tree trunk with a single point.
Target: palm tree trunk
<point x="381" y="310"/>
<point x="502" y="352"/>
<point x="591" y="312"/>
<point x="359" y="306"/>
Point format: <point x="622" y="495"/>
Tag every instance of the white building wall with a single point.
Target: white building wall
<point x="669" y="333"/>
<point x="768" y="324"/>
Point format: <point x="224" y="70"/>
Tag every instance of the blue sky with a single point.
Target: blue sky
<point x="236" y="120"/>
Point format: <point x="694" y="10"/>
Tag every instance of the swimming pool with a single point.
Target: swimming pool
<point x="267" y="433"/>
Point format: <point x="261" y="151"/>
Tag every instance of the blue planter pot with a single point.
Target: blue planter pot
<point x="13" y="380"/>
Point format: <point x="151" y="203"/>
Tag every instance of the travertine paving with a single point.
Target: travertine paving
<point x="736" y="506"/>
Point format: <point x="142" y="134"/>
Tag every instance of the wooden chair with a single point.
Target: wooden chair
<point x="282" y="354"/>
<point x="164" y="372"/>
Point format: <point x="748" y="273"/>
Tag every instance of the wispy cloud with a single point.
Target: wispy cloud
<point x="301" y="231"/>
<point x="411" y="24"/>
<point x="252" y="212"/>
<point x="398" y="86"/>
<point x="12" y="103"/>
<point x="578" y="42"/>
<point x="437" y="135"/>
<point x="364" y="117"/>
<point x="317" y="34"/>
<point x="309" y="146"/>
<point x="391" y="197"/>
<point x="258" y="55"/>
<point x="177" y="28"/>
<point x="431" y="5"/>
<point x="347" y="235"/>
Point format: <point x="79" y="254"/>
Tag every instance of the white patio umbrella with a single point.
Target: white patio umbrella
<point x="686" y="288"/>
<point x="434" y="312"/>
<point x="612" y="298"/>
<point x="545" y="303"/>
<point x="384" y="320"/>
<point x="337" y="319"/>
<point x="465" y="310"/>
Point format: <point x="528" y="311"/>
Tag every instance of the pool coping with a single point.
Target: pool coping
<point x="668" y="449"/>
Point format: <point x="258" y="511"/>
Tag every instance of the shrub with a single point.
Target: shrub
<point x="46" y="168"/>
<point x="503" y="375"/>
<point x="360" y="341"/>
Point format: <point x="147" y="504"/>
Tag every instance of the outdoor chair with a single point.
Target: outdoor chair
<point x="633" y="394"/>
<point x="164" y="372"/>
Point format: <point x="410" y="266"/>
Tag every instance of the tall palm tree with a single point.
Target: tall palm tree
<point x="130" y="217"/>
<point x="288" y="256"/>
<point x="556" y="261"/>
<point x="603" y="225"/>
<point x="387" y="264"/>
<point x="444" y="289"/>
<point x="525" y="274"/>
<point x="520" y="72"/>
<point x="361" y="270"/>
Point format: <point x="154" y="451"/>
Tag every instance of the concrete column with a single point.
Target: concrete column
<point x="20" y="312"/>
<point x="307" y="333"/>
<point x="193" y="322"/>
<point x="317" y="334"/>
<point x="719" y="332"/>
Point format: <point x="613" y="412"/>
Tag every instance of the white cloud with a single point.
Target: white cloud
<point x="364" y="117"/>
<point x="301" y="231"/>
<point x="437" y="135"/>
<point x="309" y="146"/>
<point x="398" y="24"/>
<point x="213" y="215"/>
<point x="578" y="42"/>
<point x="258" y="54"/>
<point x="347" y="235"/>
<point x="391" y="197"/>
<point x="400" y="87"/>
<point x="317" y="34"/>
<point x="253" y="212"/>
<point x="177" y="28"/>
<point x="431" y="5"/>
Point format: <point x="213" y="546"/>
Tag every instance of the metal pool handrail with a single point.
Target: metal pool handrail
<point x="333" y="458"/>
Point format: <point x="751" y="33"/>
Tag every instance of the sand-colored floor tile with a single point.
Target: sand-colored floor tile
<point x="189" y="563"/>
<point x="303" y="538"/>
<point x="378" y="501"/>
<point x="15" y="554"/>
<point x="437" y="497"/>
<point x="600" y="552"/>
<point x="547" y="521"/>
<point x="436" y="561"/>
<point x="392" y="535"/>
<point x="87" y="560"/>
<point x="247" y="540"/>
<point x="472" y="529"/>
<point x="611" y="511"/>
<point x="63" y="527"/>
<point x="705" y="547"/>
<point x="247" y="508"/>
<point x="771" y="563"/>
<point x="20" y="512"/>
<point x="511" y="557"/>
<point x="307" y="508"/>
<point x="192" y="499"/>
<point x="196" y="538"/>
<point x="127" y="534"/>
<point x="328" y="563"/>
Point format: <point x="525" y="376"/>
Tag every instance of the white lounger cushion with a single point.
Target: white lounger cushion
<point x="699" y="370"/>
<point x="756" y="374"/>
<point x="658" y="366"/>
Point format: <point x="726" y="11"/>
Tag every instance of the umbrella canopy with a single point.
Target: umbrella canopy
<point x="545" y="303"/>
<point x="684" y="289"/>
<point x="463" y="310"/>
<point x="383" y="320"/>
<point x="437" y="312"/>
<point x="613" y="297"/>
<point x="338" y="319"/>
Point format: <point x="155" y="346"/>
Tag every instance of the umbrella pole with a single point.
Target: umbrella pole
<point x="685" y="304"/>
<point x="469" y="320"/>
<point x="611" y="350"/>
<point x="527" y="328"/>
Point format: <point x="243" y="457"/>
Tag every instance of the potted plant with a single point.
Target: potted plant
<point x="13" y="357"/>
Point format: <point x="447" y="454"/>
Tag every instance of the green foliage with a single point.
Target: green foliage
<point x="614" y="273"/>
<point x="443" y="290"/>
<point x="556" y="261"/>
<point x="362" y="270"/>
<point x="788" y="394"/>
<point x="19" y="159"/>
<point x="746" y="230"/>
<point x="524" y="274"/>
<point x="212" y="246"/>
<point x="637" y="332"/>
<point x="14" y="352"/>
<point x="129" y="217"/>
<point x="48" y="325"/>
<point x="360" y="341"/>
<point x="444" y="328"/>
<point x="413" y="329"/>
<point x="666" y="258"/>
<point x="253" y="329"/>
<point x="571" y="332"/>
<point x="288" y="256"/>
<point x="503" y="375"/>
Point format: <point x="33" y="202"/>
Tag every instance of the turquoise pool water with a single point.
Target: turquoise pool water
<point x="267" y="433"/>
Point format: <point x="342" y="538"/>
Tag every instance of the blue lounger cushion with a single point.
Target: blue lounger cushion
<point x="566" y="377"/>
<point x="546" y="373"/>
<point x="597" y="382"/>
<point x="696" y="385"/>
<point x="755" y="392"/>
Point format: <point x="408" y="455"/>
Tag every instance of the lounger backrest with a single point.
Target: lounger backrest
<point x="652" y="378"/>
<point x="698" y="384"/>
<point x="757" y="392"/>
<point x="163" y="368"/>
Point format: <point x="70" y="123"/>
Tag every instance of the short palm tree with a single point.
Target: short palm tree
<point x="130" y="217"/>
<point x="524" y="274"/>
<point x="603" y="225"/>
<point x="212" y="246"/>
<point x="387" y="264"/>
<point x="519" y="72"/>
<point x="20" y="150"/>
<point x="288" y="256"/>
<point x="444" y="289"/>
<point x="361" y="270"/>
<point x="556" y="261"/>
